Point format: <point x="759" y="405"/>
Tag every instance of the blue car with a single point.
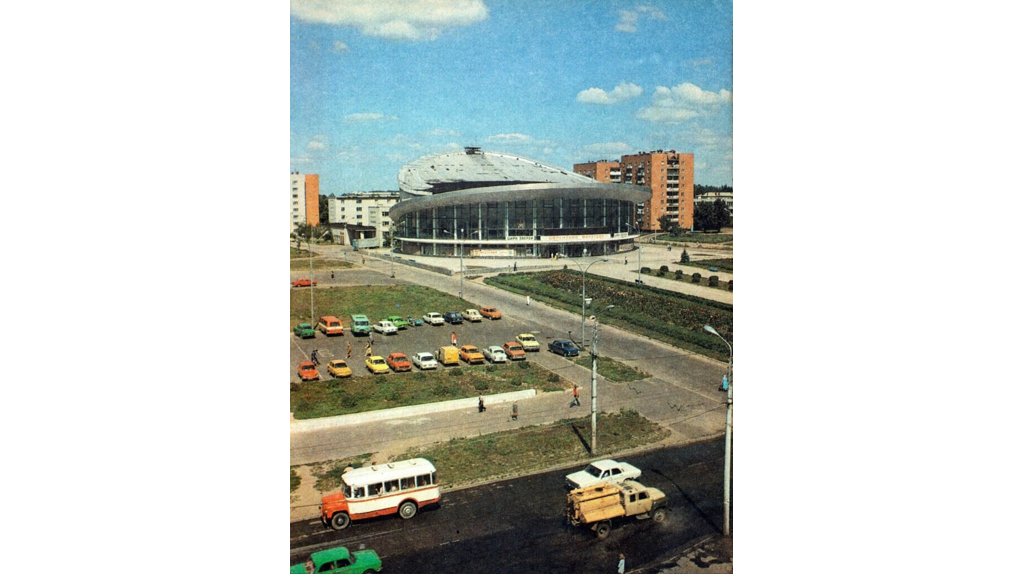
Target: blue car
<point x="453" y="317"/>
<point x="564" y="348"/>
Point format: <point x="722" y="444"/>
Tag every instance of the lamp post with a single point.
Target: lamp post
<point x="728" y="431"/>
<point x="593" y="384"/>
<point x="583" y="306"/>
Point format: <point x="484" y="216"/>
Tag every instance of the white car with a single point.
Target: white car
<point x="600" y="471"/>
<point x="495" y="354"/>
<point x="472" y="315"/>
<point x="385" y="327"/>
<point x="424" y="361"/>
<point x="433" y="319"/>
<point x="529" y="342"/>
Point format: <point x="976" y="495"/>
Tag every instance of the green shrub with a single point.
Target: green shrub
<point x="553" y="378"/>
<point x="480" y="385"/>
<point x="663" y="269"/>
<point x="696" y="278"/>
<point x="679" y="273"/>
<point x="730" y="284"/>
<point x="523" y="365"/>
<point x="456" y="372"/>
<point x="515" y="382"/>
<point x="685" y="257"/>
<point x="491" y="368"/>
<point x="713" y="281"/>
<point x="661" y="272"/>
<point x="295" y="386"/>
<point x="419" y="376"/>
<point x="645" y="269"/>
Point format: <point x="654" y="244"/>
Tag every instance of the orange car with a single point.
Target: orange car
<point x="471" y="354"/>
<point x="303" y="282"/>
<point x="491" y="313"/>
<point x="307" y="371"/>
<point x="514" y="351"/>
<point x="399" y="362"/>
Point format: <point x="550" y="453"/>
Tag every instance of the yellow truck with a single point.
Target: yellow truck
<point x="447" y="356"/>
<point x="597" y="506"/>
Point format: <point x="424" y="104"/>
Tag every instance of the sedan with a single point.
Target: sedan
<point x="471" y="354"/>
<point x="472" y="315"/>
<point x="528" y="341"/>
<point x="307" y="371"/>
<point x="514" y="351"/>
<point x="339" y="561"/>
<point x="453" y="317"/>
<point x="339" y="369"/>
<point x="495" y="354"/>
<point x="303" y="282"/>
<point x="433" y="319"/>
<point x="304" y="331"/>
<point x="563" y="347"/>
<point x="376" y="365"/>
<point x="398" y="322"/>
<point x="424" y="361"/>
<point x="385" y="327"/>
<point x="490" y="312"/>
<point x="398" y="362"/>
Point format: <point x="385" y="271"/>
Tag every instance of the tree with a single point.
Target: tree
<point x="685" y="257"/>
<point x="669" y="224"/>
<point x="711" y="217"/>
<point x="323" y="210"/>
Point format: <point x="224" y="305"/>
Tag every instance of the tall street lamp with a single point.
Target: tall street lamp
<point x="593" y="384"/>
<point x="728" y="430"/>
<point x="583" y="306"/>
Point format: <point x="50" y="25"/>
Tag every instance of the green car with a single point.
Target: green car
<point x="339" y="561"/>
<point x="305" y="331"/>
<point x="398" y="322"/>
<point x="360" y="325"/>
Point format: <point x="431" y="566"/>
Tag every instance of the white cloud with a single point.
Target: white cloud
<point x="394" y="19"/>
<point x="442" y="132"/>
<point x="366" y="117"/>
<point x="622" y="92"/>
<point x="608" y="148"/>
<point x="628" y="19"/>
<point x="340" y="46"/>
<point x="315" y="145"/>
<point x="520" y="139"/>
<point x="300" y="160"/>
<point x="451" y="145"/>
<point x="682" y="102"/>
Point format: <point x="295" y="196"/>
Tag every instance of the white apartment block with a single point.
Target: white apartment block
<point x="365" y="208"/>
<point x="710" y="197"/>
<point x="298" y="200"/>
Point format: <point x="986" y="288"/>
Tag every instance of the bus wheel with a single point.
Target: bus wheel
<point x="340" y="521"/>
<point x="407" y="510"/>
<point x="603" y="529"/>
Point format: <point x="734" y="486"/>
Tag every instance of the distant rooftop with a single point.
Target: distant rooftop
<point x="475" y="168"/>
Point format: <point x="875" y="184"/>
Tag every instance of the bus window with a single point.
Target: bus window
<point x="357" y="492"/>
<point x="373" y="489"/>
<point x="408" y="483"/>
<point x="423" y="480"/>
<point x="433" y="478"/>
<point x="391" y="486"/>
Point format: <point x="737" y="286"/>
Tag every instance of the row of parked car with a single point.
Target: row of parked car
<point x="330" y="325"/>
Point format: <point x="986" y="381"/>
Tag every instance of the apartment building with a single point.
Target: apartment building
<point x="669" y="175"/>
<point x="364" y="209"/>
<point x="305" y="199"/>
<point x="710" y="197"/>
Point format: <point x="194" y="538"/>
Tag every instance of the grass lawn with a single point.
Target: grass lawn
<point x="613" y="371"/>
<point x="697" y="238"/>
<point x="674" y="318"/>
<point x="360" y="394"/>
<point x="301" y="253"/>
<point x="515" y="452"/>
<point x="296" y="480"/>
<point x="374" y="301"/>
<point x="302" y="264"/>
<point x="722" y="264"/>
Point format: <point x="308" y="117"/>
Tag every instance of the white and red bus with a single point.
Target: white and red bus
<point x="403" y="487"/>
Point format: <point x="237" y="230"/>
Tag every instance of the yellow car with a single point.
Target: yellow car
<point x="471" y="354"/>
<point x="528" y="341"/>
<point x="377" y="365"/>
<point x="339" y="368"/>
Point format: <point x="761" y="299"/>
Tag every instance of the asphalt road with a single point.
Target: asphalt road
<point x="518" y="525"/>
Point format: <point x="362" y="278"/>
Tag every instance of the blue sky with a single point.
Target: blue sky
<point x="376" y="84"/>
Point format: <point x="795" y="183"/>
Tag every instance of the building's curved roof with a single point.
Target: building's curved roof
<point x="474" y="168"/>
<point x="587" y="189"/>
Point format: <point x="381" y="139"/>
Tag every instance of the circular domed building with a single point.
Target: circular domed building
<point x="490" y="204"/>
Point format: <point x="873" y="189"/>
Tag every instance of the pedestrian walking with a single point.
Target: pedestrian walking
<point x="575" y="396"/>
<point x="332" y="273"/>
<point x="627" y="261"/>
<point x="527" y="300"/>
<point x="515" y="411"/>
<point x="622" y="564"/>
<point x="348" y="344"/>
<point x="455" y="340"/>
<point x="313" y="357"/>
<point x="515" y="267"/>
<point x="364" y="260"/>
<point x="725" y="383"/>
<point x="371" y="337"/>
<point x="480" y="405"/>
<point x="369" y="350"/>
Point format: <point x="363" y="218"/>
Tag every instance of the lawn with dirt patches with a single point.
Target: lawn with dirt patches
<point x="675" y="318"/>
<point x="697" y="238"/>
<point x="374" y="301"/>
<point x="613" y="371"/>
<point x="534" y="448"/>
<point x="360" y="394"/>
<point x="296" y="480"/>
<point x="328" y="473"/>
<point x="319" y="264"/>
<point x="301" y="253"/>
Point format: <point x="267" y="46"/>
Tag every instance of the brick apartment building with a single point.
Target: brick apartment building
<point x="669" y="175"/>
<point x="305" y="199"/>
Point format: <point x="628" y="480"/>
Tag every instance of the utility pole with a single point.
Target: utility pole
<point x="309" y="238"/>
<point x="593" y="385"/>
<point x="728" y="433"/>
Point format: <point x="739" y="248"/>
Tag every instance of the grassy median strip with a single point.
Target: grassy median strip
<point x="301" y="264"/>
<point x="613" y="371"/>
<point x="520" y="451"/>
<point x="360" y="394"/>
<point x="675" y="318"/>
<point x="374" y="301"/>
<point x="722" y="264"/>
<point x="698" y="238"/>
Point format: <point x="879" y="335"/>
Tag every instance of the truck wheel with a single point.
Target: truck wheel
<point x="659" y="515"/>
<point x="340" y="521"/>
<point x="407" y="510"/>
<point x="602" y="530"/>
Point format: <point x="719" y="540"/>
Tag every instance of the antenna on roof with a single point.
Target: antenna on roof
<point x="472" y="150"/>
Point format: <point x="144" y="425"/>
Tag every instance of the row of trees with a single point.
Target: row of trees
<point x="705" y="218"/>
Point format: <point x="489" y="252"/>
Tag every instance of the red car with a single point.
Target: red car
<point x="303" y="282"/>
<point x="398" y="362"/>
<point x="514" y="351"/>
<point x="307" y="371"/>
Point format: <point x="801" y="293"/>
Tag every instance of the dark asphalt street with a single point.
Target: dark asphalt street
<point x="518" y="526"/>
